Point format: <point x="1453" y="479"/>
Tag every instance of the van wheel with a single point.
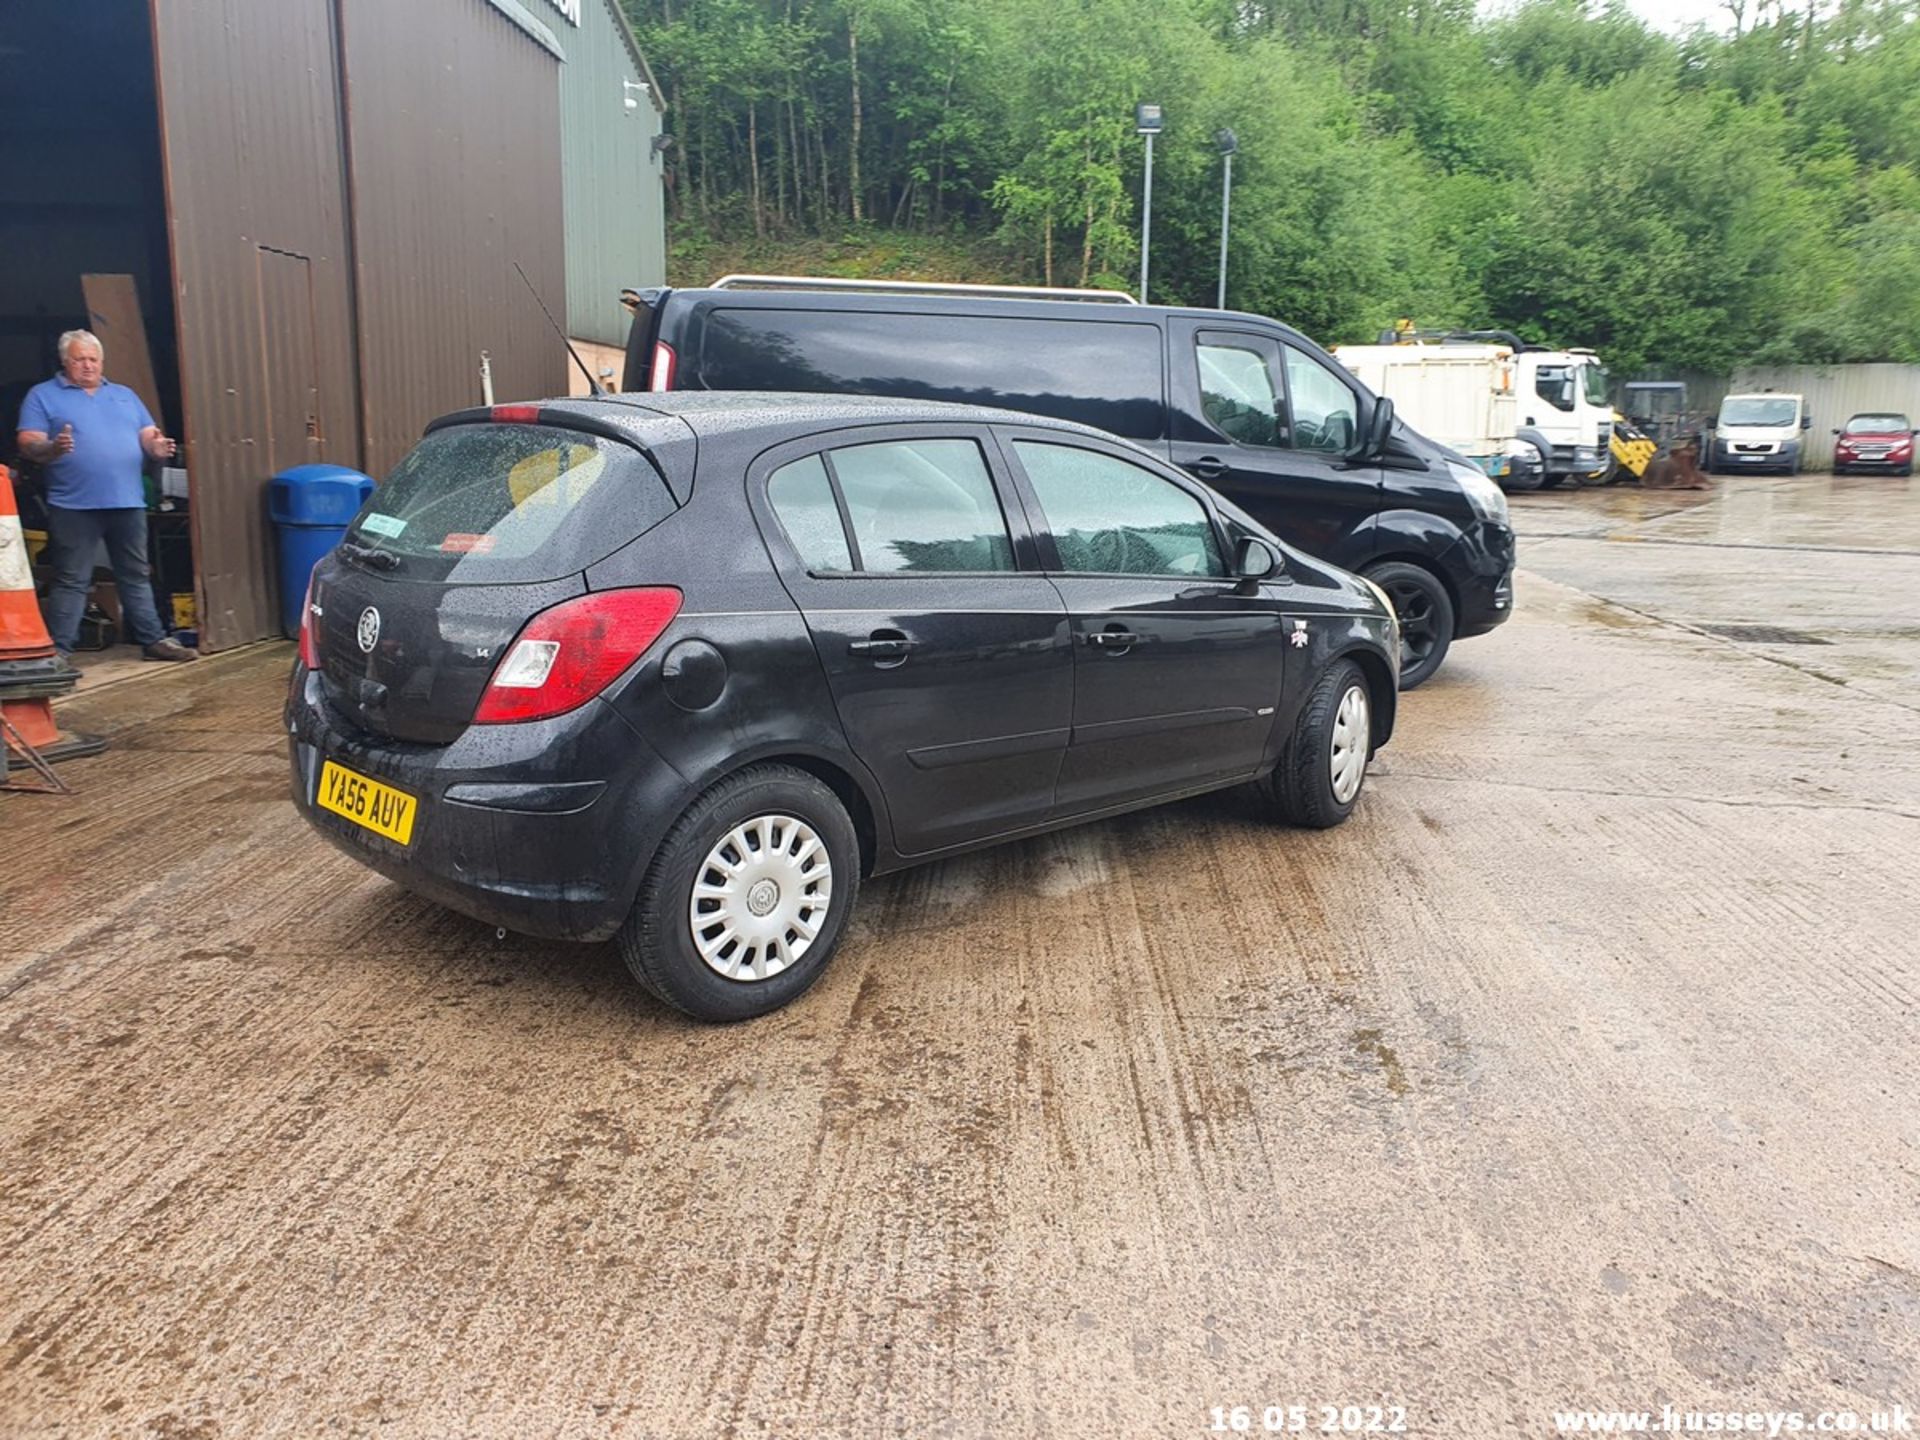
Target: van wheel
<point x="1317" y="782"/>
<point x="1426" y="617"/>
<point x="747" y="897"/>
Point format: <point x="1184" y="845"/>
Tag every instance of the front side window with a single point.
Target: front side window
<point x="1239" y="392"/>
<point x="916" y="506"/>
<point x="1111" y="517"/>
<point x="1323" y="407"/>
<point x="1554" y="384"/>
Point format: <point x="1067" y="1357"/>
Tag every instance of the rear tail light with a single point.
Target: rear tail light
<point x="515" y="414"/>
<point x="309" y="641"/>
<point x="661" y="376"/>
<point x="565" y="656"/>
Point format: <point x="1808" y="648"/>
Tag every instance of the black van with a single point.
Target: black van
<point x="1251" y="406"/>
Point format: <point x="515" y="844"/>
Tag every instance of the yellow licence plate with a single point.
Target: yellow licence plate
<point x="369" y="804"/>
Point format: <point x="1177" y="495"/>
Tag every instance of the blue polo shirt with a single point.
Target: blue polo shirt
<point x="103" y="472"/>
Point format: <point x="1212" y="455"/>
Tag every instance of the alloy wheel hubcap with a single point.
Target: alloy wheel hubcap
<point x="760" y="897"/>
<point x="1350" y="737"/>
<point x="1414" y="609"/>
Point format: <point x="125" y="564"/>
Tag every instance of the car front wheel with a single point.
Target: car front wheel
<point x="1318" y="780"/>
<point x="1425" y="611"/>
<point x="747" y="897"/>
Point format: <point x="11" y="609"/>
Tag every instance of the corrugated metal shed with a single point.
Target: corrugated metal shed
<point x="615" y="205"/>
<point x="251" y="146"/>
<point x="453" y="116"/>
<point x="1835" y="392"/>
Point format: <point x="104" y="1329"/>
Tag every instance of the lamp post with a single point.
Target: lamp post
<point x="1227" y="143"/>
<point x="1147" y="121"/>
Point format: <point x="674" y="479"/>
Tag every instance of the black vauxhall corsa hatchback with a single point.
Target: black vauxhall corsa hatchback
<point x="685" y="668"/>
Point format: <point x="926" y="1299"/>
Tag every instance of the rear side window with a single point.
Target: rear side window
<point x="1110" y="517"/>
<point x="802" y="496"/>
<point x="492" y="503"/>
<point x="1104" y="373"/>
<point x="915" y="506"/>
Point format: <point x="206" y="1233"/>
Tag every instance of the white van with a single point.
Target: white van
<point x="1759" y="432"/>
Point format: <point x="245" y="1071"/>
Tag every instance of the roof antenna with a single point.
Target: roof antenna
<point x="593" y="385"/>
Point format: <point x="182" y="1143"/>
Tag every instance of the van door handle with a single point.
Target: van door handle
<point x="883" y="645"/>
<point x="1209" y="467"/>
<point x="1113" y="639"/>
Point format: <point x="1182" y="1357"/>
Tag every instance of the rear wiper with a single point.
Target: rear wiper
<point x="370" y="555"/>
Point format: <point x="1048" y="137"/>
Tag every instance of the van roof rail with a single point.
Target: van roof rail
<point x="920" y="287"/>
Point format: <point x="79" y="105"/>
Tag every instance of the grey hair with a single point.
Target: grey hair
<point x="76" y="335"/>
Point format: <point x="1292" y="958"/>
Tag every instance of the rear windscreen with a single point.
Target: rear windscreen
<point x="1099" y="372"/>
<point x="490" y="504"/>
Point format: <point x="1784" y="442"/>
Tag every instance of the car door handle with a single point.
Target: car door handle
<point x="883" y="646"/>
<point x="1209" y="467"/>
<point x="1113" y="639"/>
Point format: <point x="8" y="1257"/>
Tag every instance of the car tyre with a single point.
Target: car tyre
<point x="1426" y="618"/>
<point x="774" y="855"/>
<point x="1324" y="767"/>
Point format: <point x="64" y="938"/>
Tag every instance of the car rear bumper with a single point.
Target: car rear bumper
<point x="1481" y="567"/>
<point x="508" y="829"/>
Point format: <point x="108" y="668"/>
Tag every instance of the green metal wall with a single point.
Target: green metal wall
<point x="611" y="179"/>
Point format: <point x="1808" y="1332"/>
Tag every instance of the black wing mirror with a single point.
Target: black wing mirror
<point x="1373" y="444"/>
<point x="1254" y="559"/>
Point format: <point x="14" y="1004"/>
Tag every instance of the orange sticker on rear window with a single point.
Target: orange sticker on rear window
<point x="466" y="545"/>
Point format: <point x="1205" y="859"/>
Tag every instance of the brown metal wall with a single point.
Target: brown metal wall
<point x="250" y="140"/>
<point x="453" y="119"/>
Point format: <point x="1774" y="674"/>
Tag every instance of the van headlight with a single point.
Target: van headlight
<point x="1489" y="501"/>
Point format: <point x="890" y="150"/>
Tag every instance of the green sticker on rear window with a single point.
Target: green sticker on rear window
<point x="379" y="524"/>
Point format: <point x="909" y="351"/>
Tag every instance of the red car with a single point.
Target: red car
<point x="1878" y="441"/>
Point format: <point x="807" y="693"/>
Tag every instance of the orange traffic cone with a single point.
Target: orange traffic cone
<point x="31" y="670"/>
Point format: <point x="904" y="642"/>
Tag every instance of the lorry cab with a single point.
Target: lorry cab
<point x="1565" y="409"/>
<point x="1759" y="432"/>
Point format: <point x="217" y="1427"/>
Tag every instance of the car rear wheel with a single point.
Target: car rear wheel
<point x="747" y="898"/>
<point x="1426" y="618"/>
<point x="1318" y="780"/>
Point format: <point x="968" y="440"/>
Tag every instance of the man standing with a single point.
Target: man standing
<point x="92" y="438"/>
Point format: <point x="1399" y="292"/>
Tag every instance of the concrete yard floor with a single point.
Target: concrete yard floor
<point x="1578" y="1071"/>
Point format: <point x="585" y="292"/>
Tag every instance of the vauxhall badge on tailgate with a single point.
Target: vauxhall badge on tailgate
<point x="369" y="629"/>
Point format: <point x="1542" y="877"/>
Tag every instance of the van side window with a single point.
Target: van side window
<point x="802" y="497"/>
<point x="921" y="505"/>
<point x="1323" y="407"/>
<point x="1239" y="392"/>
<point x="1109" y="517"/>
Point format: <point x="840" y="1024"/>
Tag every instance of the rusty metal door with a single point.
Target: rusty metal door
<point x="289" y="360"/>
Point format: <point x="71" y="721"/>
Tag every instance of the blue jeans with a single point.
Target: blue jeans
<point x="75" y="537"/>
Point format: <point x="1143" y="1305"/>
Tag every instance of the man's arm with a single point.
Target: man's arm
<point x="35" y="446"/>
<point x="156" y="445"/>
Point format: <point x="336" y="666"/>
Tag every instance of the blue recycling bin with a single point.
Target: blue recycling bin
<point x="311" y="506"/>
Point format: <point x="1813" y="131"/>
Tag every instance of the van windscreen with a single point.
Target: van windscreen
<point x="1104" y="373"/>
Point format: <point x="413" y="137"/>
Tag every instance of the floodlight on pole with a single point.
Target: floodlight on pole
<point x="1147" y="121"/>
<point x="1226" y="142"/>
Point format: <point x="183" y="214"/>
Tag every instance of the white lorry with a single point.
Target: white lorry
<point x="1526" y="416"/>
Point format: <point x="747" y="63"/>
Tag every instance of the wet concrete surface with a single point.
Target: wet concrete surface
<point x="1577" y="1071"/>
